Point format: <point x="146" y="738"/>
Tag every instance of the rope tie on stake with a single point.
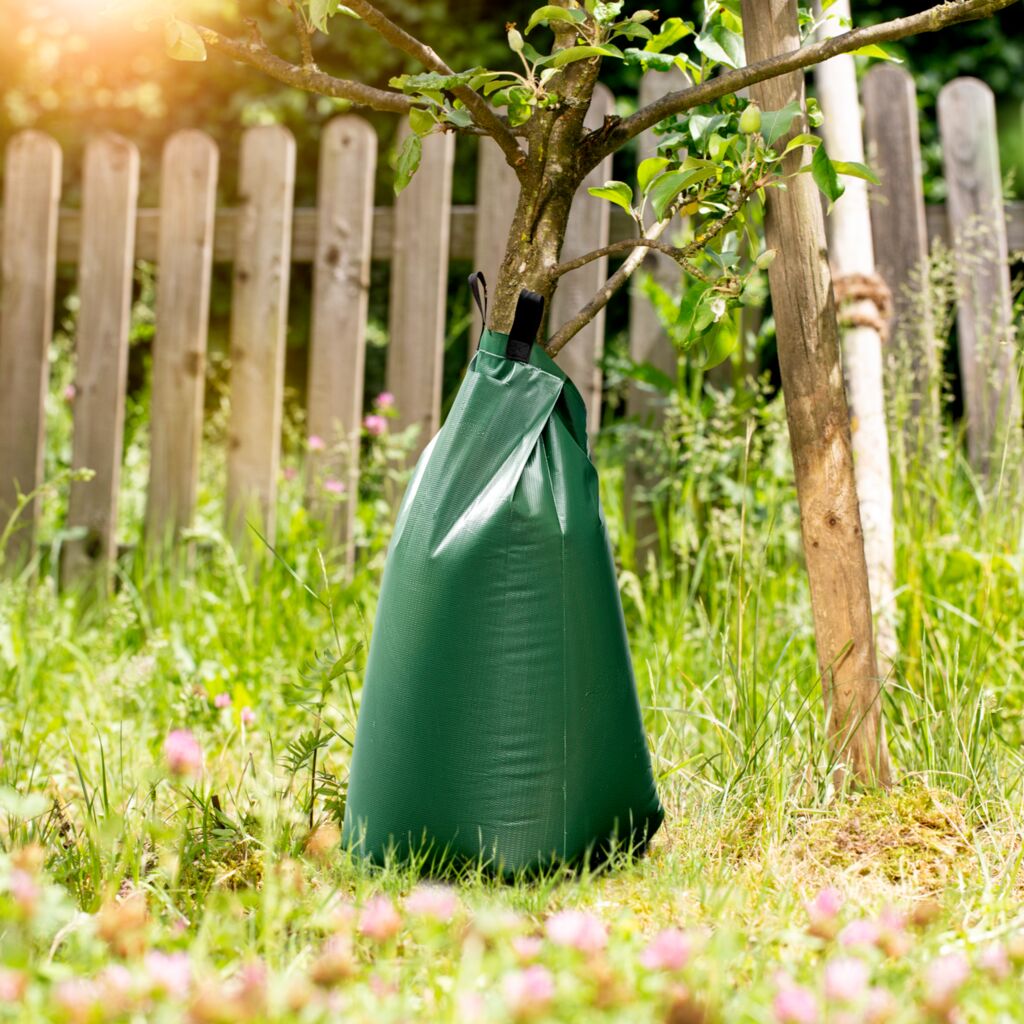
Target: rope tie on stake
<point x="853" y="292"/>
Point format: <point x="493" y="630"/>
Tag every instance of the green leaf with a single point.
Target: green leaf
<point x="549" y="13"/>
<point x="689" y="306"/>
<point x="876" y="51"/>
<point x="715" y="348"/>
<point x="182" y="41"/>
<point x="605" y="13"/>
<point x="433" y="80"/>
<point x="668" y="186"/>
<point x="824" y="174"/>
<point x="617" y="192"/>
<point x="650" y="61"/>
<point x="702" y="126"/>
<point x="407" y="161"/>
<point x="519" y="113"/>
<point x="672" y="30"/>
<point x="648" y="169"/>
<point x="775" y="123"/>
<point x="855" y="170"/>
<point x="574" y="53"/>
<point x="458" y="116"/>
<point x="804" y="139"/>
<point x="722" y="45"/>
<point x="421" y="122"/>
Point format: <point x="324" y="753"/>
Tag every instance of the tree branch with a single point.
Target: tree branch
<point x="576" y="324"/>
<point x="614" y="249"/>
<point x="481" y="111"/>
<point x="640" y="247"/>
<point x="302" y="31"/>
<point x="614" y="135"/>
<point x="256" y="54"/>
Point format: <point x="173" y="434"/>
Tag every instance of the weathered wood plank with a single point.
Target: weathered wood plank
<point x="419" y="279"/>
<point x="497" y="191"/>
<point x="587" y="230"/>
<point x="899" y="228"/>
<point x="259" y="312"/>
<point x="462" y="228"/>
<point x="988" y="364"/>
<point x="648" y="341"/>
<point x="110" y="184"/>
<point x="188" y="188"/>
<point x="32" y="168"/>
<point x="341" y="281"/>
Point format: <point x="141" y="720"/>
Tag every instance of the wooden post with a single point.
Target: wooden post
<point x="899" y="230"/>
<point x="109" y="192"/>
<point x="341" y="283"/>
<point x="188" y="188"/>
<point x="259" y="312"/>
<point x="419" y="288"/>
<point x="587" y="230"/>
<point x="32" y="167"/>
<point x="988" y="364"/>
<point x="853" y="262"/>
<point x="648" y="341"/>
<point x="819" y="427"/>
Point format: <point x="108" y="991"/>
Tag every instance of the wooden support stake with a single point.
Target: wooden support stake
<point x="819" y="427"/>
<point x="852" y="256"/>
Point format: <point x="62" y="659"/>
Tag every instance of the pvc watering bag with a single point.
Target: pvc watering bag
<point x="499" y="719"/>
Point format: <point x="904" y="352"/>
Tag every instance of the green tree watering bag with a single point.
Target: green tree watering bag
<point x="499" y="717"/>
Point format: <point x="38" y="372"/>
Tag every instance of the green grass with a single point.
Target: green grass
<point x="108" y="859"/>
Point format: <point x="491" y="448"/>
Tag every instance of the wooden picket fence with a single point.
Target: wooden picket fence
<point x="262" y="235"/>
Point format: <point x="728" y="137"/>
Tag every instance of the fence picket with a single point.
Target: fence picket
<point x="419" y="287"/>
<point x="31" y="194"/>
<point x="900" y="231"/>
<point x="587" y="230"/>
<point x="648" y="341"/>
<point x="497" y="191"/>
<point x="341" y="281"/>
<point x="188" y="186"/>
<point x="259" y="311"/>
<point x="109" y="192"/>
<point x="967" y="126"/>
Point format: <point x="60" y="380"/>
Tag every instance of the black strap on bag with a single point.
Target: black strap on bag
<point x="525" y="324"/>
<point x="478" y="286"/>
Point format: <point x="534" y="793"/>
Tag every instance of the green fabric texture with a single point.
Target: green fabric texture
<point x="499" y="717"/>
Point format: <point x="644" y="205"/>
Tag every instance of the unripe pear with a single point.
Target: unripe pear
<point x="750" y="119"/>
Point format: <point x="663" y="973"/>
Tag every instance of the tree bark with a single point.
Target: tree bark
<point x="819" y="428"/>
<point x="852" y="254"/>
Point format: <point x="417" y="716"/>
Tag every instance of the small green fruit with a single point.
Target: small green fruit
<point x="750" y="119"/>
<point x="515" y="40"/>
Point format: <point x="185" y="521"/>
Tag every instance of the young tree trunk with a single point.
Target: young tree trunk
<point x="853" y="262"/>
<point x="819" y="428"/>
<point x="545" y="199"/>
